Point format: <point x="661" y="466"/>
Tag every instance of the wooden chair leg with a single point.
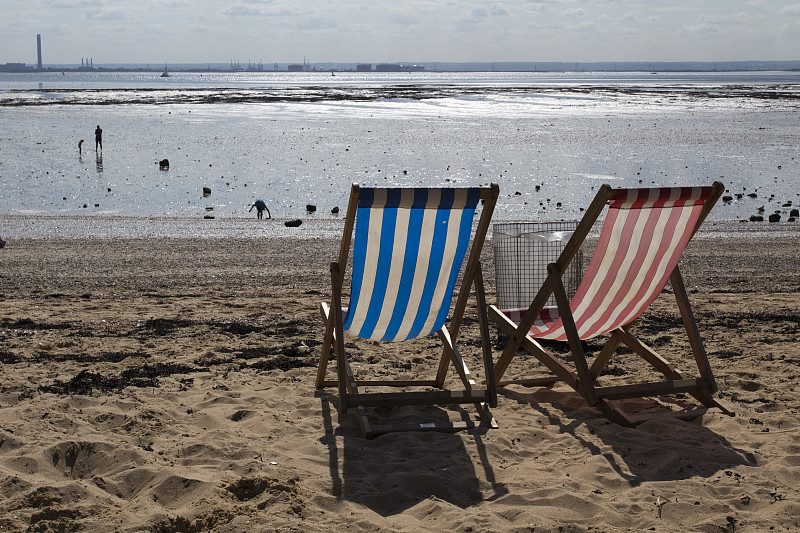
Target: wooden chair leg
<point x="486" y="348"/>
<point x="605" y="355"/>
<point x="451" y="355"/>
<point x="343" y="369"/>
<point x="586" y="383"/>
<point x="692" y="331"/>
<point x="327" y="344"/>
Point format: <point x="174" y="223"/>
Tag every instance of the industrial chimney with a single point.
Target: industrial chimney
<point x="39" y="50"/>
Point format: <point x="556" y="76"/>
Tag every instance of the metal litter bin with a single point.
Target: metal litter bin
<point x="522" y="251"/>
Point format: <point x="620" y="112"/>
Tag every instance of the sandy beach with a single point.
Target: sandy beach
<point x="167" y="385"/>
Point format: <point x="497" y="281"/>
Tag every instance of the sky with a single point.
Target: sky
<point x="407" y="31"/>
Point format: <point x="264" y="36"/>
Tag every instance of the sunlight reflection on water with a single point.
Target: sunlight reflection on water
<point x="566" y="134"/>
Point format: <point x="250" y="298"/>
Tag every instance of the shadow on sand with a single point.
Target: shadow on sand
<point x="657" y="450"/>
<point x="392" y="473"/>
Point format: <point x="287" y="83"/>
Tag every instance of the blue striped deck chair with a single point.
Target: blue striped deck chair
<point x="408" y="249"/>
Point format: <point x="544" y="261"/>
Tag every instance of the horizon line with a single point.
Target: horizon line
<point x="499" y="66"/>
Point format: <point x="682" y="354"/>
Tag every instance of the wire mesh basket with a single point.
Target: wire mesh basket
<point x="522" y="251"/>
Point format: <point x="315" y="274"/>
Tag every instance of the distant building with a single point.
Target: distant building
<point x="364" y="67"/>
<point x="296" y="67"/>
<point x="15" y="67"/>
<point x="388" y="67"/>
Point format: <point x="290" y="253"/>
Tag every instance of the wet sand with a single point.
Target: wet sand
<point x="167" y="384"/>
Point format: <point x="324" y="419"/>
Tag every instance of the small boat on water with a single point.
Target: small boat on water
<point x="165" y="74"/>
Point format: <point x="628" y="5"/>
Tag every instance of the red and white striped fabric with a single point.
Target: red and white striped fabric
<point x="643" y="237"/>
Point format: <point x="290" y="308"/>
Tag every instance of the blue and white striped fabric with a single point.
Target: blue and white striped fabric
<point x="408" y="250"/>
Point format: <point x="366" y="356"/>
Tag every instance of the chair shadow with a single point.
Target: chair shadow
<point x="394" y="472"/>
<point x="662" y="450"/>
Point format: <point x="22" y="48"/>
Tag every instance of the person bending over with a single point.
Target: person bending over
<point x="260" y="208"/>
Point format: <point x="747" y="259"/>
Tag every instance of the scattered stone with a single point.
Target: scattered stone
<point x="311" y="208"/>
<point x="794" y="213"/>
<point x="335" y="211"/>
<point x="2" y="243"/>
<point x="756" y="218"/>
<point x="209" y="217"/>
<point x="292" y="223"/>
<point x="206" y="192"/>
<point x="727" y="199"/>
<point x="752" y="195"/>
<point x="775" y="217"/>
<point x="163" y="164"/>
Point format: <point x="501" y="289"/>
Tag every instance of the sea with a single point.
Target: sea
<point x="299" y="140"/>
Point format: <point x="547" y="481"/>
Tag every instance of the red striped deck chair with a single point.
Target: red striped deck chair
<point x="643" y="236"/>
<point x="409" y="247"/>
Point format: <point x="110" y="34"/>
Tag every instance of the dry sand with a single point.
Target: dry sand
<point x="168" y="385"/>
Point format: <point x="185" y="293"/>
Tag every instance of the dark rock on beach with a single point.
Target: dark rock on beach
<point x="292" y="223"/>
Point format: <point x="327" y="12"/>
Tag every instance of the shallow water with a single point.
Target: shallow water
<point x="299" y="141"/>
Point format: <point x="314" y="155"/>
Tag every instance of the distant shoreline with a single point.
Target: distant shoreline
<point x="425" y="66"/>
<point x="25" y="226"/>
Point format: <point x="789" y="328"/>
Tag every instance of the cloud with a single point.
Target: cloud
<point x="476" y="14"/>
<point x="741" y="17"/>
<point x="792" y="10"/>
<point x="73" y="4"/>
<point x="575" y="12"/>
<point x="243" y="10"/>
<point x="316" y="23"/>
<point x="700" y="29"/>
<point x="790" y="29"/>
<point x="404" y="19"/>
<point x="499" y="10"/>
<point x="169" y="4"/>
<point x="107" y="13"/>
<point x="480" y="14"/>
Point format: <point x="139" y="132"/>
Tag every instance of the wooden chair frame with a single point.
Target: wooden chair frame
<point x="350" y="394"/>
<point x="584" y="378"/>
